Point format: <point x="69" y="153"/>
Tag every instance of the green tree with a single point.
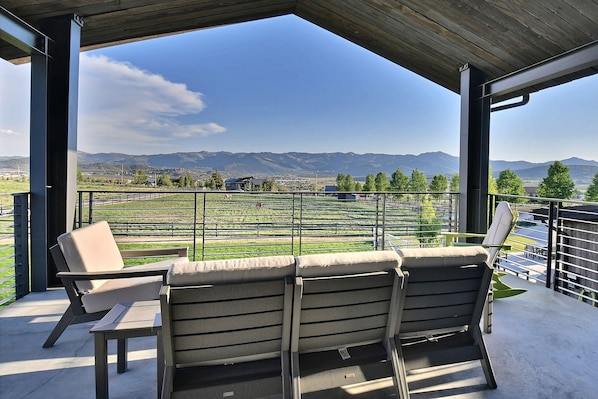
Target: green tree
<point x="340" y="179"/>
<point x="358" y="186"/>
<point x="139" y="176"/>
<point x="418" y="182"/>
<point x="381" y="182"/>
<point x="492" y="186"/>
<point x="439" y="184"/>
<point x="429" y="224"/>
<point x="215" y="181"/>
<point x="592" y="192"/>
<point x="345" y="182"/>
<point x="164" y="180"/>
<point x="558" y="182"/>
<point x="269" y="184"/>
<point x="509" y="183"/>
<point x="399" y="181"/>
<point x="370" y="183"/>
<point x="454" y="186"/>
<point x="80" y="177"/>
<point x="186" y="180"/>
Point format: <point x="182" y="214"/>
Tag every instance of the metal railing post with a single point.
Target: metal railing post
<point x="549" y="246"/>
<point x="80" y="214"/>
<point x="90" y="214"/>
<point x="21" y="230"/>
<point x="194" y="224"/>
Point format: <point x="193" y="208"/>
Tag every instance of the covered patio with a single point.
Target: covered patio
<point x="488" y="52"/>
<point x="542" y="345"/>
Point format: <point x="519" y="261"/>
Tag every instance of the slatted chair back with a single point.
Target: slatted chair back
<point x="439" y="317"/>
<point x="233" y="313"/>
<point x="342" y="302"/>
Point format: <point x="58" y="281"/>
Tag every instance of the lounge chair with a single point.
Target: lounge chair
<point x="493" y="240"/>
<point x="92" y="270"/>
<point x="226" y="328"/>
<point x="439" y="317"/>
<point x="343" y="320"/>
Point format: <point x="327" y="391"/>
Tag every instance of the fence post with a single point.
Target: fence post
<point x="21" y="230"/>
<point x="90" y="215"/>
<point x="552" y="217"/>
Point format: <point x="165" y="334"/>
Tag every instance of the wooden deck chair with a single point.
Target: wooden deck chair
<point x="343" y="321"/>
<point x="439" y="317"/>
<point x="226" y="328"/>
<point x="91" y="268"/>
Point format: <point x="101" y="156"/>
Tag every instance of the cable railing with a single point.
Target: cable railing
<point x="234" y="224"/>
<point x="555" y="242"/>
<point x="14" y="249"/>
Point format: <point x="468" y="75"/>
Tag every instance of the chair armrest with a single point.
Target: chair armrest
<point x="450" y="237"/>
<point x="466" y="244"/>
<point x="123" y="273"/>
<point x="181" y="252"/>
<point x="455" y="234"/>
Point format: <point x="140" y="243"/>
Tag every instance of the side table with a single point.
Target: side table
<point x="126" y="320"/>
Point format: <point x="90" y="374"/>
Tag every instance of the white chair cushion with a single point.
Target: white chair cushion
<point x="231" y="270"/>
<point x="91" y="249"/>
<point x="501" y="226"/>
<point x="334" y="264"/>
<point x="122" y="290"/>
<point x="443" y="256"/>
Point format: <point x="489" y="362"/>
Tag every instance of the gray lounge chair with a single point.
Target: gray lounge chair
<point x="343" y="320"/>
<point x="91" y="268"/>
<point x="226" y="328"/>
<point x="439" y="317"/>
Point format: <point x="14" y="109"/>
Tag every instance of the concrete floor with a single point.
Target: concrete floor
<point x="543" y="345"/>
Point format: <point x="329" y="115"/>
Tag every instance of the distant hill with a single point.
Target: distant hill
<point x="303" y="164"/>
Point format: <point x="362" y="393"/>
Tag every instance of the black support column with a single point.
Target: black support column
<point x="475" y="153"/>
<point x="38" y="155"/>
<point x="61" y="145"/>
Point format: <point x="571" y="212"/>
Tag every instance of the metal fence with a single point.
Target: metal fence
<point x="555" y="242"/>
<point x="14" y="247"/>
<point x="233" y="224"/>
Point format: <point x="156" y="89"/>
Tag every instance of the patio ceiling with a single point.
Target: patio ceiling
<point x="432" y="38"/>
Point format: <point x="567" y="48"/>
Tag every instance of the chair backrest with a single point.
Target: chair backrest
<point x="446" y="289"/>
<point x="230" y="311"/>
<point x="502" y="223"/>
<point x="344" y="300"/>
<point x="91" y="249"/>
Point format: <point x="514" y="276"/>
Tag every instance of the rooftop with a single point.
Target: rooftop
<point x="542" y="345"/>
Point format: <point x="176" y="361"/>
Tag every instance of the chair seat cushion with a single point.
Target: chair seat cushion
<point x="128" y="289"/>
<point x="122" y="290"/>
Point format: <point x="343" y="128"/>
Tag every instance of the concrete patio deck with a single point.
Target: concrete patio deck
<point x="543" y="345"/>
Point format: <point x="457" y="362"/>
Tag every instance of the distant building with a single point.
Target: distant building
<point x="531" y="191"/>
<point x="248" y="183"/>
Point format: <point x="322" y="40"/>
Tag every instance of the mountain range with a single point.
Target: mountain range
<point x="262" y="164"/>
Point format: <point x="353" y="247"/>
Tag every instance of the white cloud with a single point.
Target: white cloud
<point x="123" y="108"/>
<point x="9" y="132"/>
<point x="14" y="109"/>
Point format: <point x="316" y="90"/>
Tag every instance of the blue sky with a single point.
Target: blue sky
<point x="282" y="85"/>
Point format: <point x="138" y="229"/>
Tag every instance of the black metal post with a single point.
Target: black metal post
<point x="21" y="245"/>
<point x="474" y="154"/>
<point x="61" y="145"/>
<point x="37" y="183"/>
